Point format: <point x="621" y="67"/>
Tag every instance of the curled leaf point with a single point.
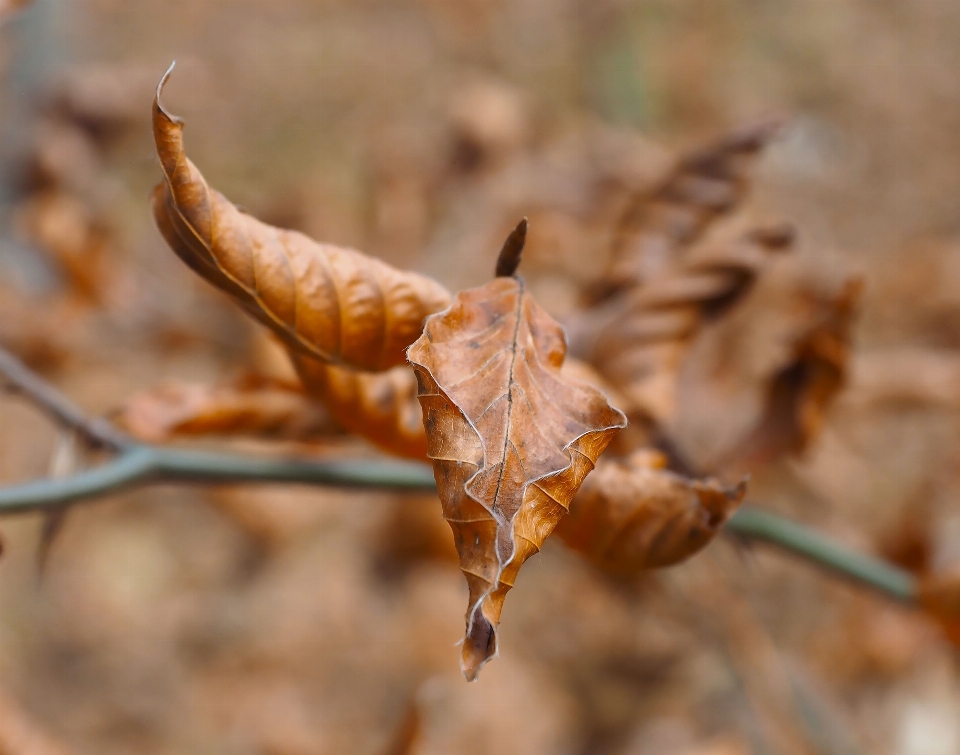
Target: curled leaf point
<point x="163" y="82"/>
<point x="509" y="259"/>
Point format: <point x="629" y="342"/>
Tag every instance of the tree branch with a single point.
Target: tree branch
<point x="756" y="524"/>
<point x="142" y="465"/>
<point x="137" y="464"/>
<point x="95" y="431"/>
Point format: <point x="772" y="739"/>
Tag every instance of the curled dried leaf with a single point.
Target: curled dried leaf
<point x="799" y="393"/>
<point x="334" y="304"/>
<point x="633" y="514"/>
<point x="703" y="185"/>
<point x="252" y="406"/>
<point x="511" y="439"/>
<point x="638" y="339"/>
<point x="381" y="407"/>
<point x="759" y="383"/>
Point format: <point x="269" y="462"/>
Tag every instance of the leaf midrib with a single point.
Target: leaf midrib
<point x="510" y="383"/>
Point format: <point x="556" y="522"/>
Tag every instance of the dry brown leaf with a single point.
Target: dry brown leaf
<point x="703" y="185"/>
<point x="510" y="438"/>
<point x="379" y="406"/>
<point x="757" y="383"/>
<point x="39" y="331"/>
<point x="252" y="406"/>
<point x="939" y="596"/>
<point x="799" y="393"/>
<point x="638" y="339"/>
<point x="633" y="514"/>
<point x="75" y="239"/>
<point x="334" y="304"/>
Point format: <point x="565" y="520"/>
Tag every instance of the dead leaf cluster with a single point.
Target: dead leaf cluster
<point x="512" y="436"/>
<point x="312" y="621"/>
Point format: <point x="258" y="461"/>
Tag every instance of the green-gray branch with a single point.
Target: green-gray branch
<point x="137" y="464"/>
<point x="142" y="464"/>
<point x="757" y="524"/>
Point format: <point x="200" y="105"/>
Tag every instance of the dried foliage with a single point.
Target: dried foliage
<point x="638" y="339"/>
<point x="510" y="438"/>
<point x="802" y="388"/>
<point x="632" y="514"/>
<point x="759" y="382"/>
<point x="40" y="338"/>
<point x="685" y="307"/>
<point x="381" y="407"/>
<point x="659" y="223"/>
<point x="334" y="304"/>
<point x="940" y="597"/>
<point x="72" y="235"/>
<point x="251" y="406"/>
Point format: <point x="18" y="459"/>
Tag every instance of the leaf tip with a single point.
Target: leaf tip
<point x="479" y="646"/>
<point x="158" y="104"/>
<point x="509" y="259"/>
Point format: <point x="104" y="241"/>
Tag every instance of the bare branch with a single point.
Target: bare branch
<point x="95" y="431"/>
<point x="138" y="464"/>
<point x="142" y="465"/>
<point x="765" y="526"/>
